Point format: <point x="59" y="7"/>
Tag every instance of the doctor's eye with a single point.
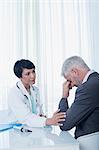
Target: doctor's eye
<point x="33" y="71"/>
<point x="27" y="74"/>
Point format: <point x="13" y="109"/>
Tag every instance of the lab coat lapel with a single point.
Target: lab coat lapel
<point x="24" y="91"/>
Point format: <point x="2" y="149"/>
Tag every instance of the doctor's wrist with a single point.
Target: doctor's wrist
<point x="48" y="121"/>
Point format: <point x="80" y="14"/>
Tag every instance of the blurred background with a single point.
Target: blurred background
<point x="46" y="32"/>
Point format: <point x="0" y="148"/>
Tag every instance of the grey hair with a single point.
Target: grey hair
<point x="71" y="62"/>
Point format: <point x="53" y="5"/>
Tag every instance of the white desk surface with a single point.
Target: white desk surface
<point x="38" y="139"/>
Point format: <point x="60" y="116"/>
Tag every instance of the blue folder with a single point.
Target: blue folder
<point x="4" y="127"/>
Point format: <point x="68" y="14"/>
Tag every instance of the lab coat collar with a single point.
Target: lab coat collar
<point x="23" y="89"/>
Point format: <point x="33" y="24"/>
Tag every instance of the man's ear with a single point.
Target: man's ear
<point x="75" y="71"/>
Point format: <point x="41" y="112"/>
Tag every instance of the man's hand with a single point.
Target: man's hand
<point x="56" y="118"/>
<point x="66" y="88"/>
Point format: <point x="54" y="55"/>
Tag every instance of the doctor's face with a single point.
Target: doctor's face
<point x="28" y="77"/>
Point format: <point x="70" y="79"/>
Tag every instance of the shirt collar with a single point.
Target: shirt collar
<point x="87" y="75"/>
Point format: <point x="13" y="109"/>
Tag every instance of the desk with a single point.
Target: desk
<point x="38" y="139"/>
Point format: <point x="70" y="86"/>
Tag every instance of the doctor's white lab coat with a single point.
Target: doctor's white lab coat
<point x="20" y="107"/>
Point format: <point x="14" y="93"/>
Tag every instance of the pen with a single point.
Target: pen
<point x="25" y="130"/>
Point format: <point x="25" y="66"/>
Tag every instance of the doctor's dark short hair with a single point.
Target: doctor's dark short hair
<point x="22" y="64"/>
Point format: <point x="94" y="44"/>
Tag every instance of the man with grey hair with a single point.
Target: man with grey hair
<point x="84" y="111"/>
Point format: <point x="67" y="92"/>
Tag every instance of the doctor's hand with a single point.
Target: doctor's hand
<point x="56" y="118"/>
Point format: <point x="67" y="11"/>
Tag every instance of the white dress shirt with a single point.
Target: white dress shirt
<point x="87" y="75"/>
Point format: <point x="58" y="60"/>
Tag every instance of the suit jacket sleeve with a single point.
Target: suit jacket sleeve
<point x="81" y="108"/>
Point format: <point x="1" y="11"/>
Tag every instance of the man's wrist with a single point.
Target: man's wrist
<point x="64" y="97"/>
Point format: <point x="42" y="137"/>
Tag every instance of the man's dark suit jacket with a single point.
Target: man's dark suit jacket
<point x="84" y="112"/>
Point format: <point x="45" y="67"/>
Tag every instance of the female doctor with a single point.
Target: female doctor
<point x="24" y="101"/>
